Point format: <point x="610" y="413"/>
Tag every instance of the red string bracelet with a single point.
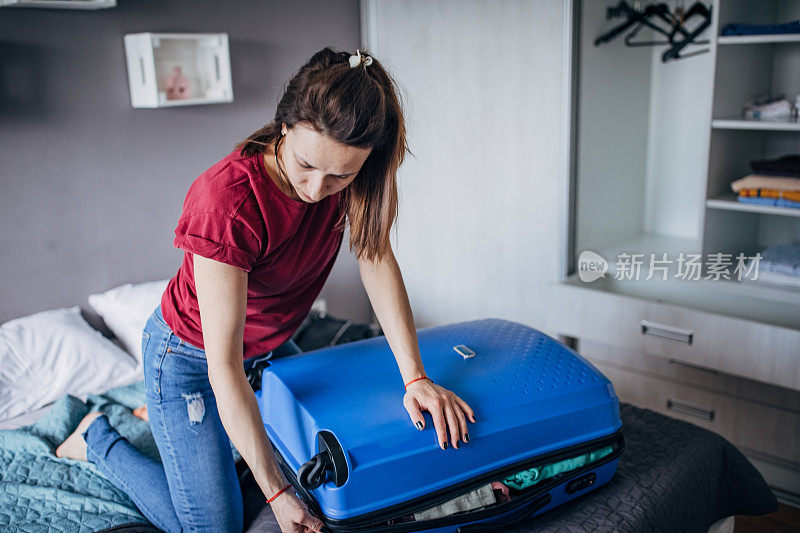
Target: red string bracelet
<point x="413" y="380"/>
<point x="279" y="493"/>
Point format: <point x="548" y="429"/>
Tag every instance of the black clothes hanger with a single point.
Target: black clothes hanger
<point x="697" y="9"/>
<point x="658" y="10"/>
<point x="663" y="12"/>
<point x="639" y="19"/>
<point x="623" y="9"/>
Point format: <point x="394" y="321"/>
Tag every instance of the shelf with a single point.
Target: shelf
<point x="178" y="69"/>
<point x="730" y="203"/>
<point x="643" y="245"/>
<point x="766" y="125"/>
<point x="711" y="295"/>
<point x="647" y="243"/>
<point x="757" y="289"/>
<point x="785" y="38"/>
<point x="60" y="4"/>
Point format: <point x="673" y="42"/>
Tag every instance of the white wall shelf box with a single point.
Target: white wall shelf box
<point x="60" y="4"/>
<point x="203" y="59"/>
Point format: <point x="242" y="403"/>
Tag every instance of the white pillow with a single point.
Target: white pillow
<point x="125" y="310"/>
<point x="49" y="354"/>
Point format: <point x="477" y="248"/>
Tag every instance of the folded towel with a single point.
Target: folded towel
<point x="781" y="259"/>
<point x="736" y="28"/>
<point x="759" y="181"/>
<point x="776" y="202"/>
<point x="792" y="196"/>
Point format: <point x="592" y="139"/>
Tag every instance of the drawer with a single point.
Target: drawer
<point x="735" y="346"/>
<point x="767" y="430"/>
<point x="740" y="347"/>
<point x="692" y="376"/>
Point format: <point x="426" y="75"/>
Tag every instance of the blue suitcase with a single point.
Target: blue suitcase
<point x="346" y="443"/>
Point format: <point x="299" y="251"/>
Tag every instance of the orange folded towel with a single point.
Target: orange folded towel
<point x="793" y="196"/>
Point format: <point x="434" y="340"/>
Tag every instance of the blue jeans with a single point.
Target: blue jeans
<point x="194" y="487"/>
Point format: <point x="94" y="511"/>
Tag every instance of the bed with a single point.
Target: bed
<point x="673" y="476"/>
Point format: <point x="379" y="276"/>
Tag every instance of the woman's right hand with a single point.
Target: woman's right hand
<point x="293" y="516"/>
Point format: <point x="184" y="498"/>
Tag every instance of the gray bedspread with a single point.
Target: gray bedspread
<point x="672" y="476"/>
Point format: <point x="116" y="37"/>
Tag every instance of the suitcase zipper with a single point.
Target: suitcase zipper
<point x="539" y="493"/>
<point x="363" y="523"/>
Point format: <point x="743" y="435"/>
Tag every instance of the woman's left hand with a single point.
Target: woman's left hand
<point x="449" y="412"/>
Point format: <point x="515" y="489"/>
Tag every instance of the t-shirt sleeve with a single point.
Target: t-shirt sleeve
<point x="219" y="236"/>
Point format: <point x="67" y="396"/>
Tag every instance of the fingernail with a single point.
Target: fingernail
<point x="466" y="437"/>
<point x="444" y="447"/>
<point x="419" y="425"/>
<point x="457" y="445"/>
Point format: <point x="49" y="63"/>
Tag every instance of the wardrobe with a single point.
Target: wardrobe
<point x="654" y="147"/>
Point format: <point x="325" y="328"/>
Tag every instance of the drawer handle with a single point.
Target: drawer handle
<point x="667" y="332"/>
<point x="141" y="68"/>
<point x="694" y="367"/>
<point x="691" y="410"/>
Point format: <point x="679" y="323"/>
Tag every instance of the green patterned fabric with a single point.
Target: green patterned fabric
<point x="528" y="478"/>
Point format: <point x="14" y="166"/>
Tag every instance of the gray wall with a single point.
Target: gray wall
<point x="90" y="188"/>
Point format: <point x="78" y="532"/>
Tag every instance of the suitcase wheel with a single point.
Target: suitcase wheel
<point x="330" y="459"/>
<point x="312" y="473"/>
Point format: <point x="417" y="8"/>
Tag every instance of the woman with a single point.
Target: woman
<point x="261" y="230"/>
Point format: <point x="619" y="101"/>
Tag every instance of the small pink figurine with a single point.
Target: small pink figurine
<point x="177" y="85"/>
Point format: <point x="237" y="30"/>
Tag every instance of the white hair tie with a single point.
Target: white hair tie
<point x="357" y="59"/>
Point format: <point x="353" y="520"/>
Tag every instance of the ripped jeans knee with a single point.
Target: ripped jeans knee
<point x="195" y="407"/>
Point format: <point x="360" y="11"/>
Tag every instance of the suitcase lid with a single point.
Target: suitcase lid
<point x="531" y="396"/>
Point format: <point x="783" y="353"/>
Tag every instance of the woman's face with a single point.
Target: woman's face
<point x="316" y="165"/>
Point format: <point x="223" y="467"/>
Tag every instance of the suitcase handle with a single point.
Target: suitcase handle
<point x="503" y="525"/>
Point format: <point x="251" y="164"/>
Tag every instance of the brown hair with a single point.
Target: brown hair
<point x="359" y="107"/>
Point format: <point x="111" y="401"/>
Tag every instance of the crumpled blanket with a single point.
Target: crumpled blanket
<point x="41" y="492"/>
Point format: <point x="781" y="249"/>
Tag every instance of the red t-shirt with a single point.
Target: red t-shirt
<point x="234" y="213"/>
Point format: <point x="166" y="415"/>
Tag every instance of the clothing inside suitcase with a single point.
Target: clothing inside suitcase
<point x="508" y="488"/>
<point x="343" y="439"/>
<point x="533" y="497"/>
